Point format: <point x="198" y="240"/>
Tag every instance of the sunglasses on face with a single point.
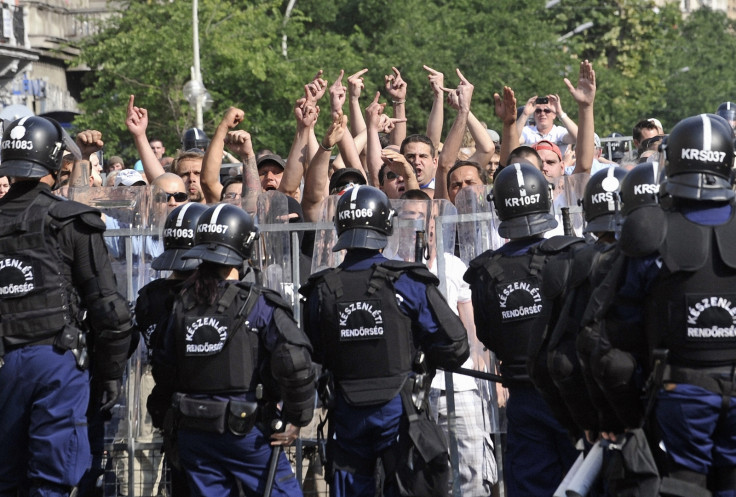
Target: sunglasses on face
<point x="232" y="196"/>
<point x="546" y="111"/>
<point x="390" y="175"/>
<point x="178" y="196"/>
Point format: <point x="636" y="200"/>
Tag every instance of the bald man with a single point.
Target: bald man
<point x="173" y="187"/>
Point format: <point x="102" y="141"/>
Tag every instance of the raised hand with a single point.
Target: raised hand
<point x="506" y="107"/>
<point x="356" y="84"/>
<point x="584" y="94"/>
<point x="336" y="130"/>
<point x="395" y="86"/>
<point x="233" y="117"/>
<point x="136" y="119"/>
<point x="89" y="142"/>
<point x="239" y="142"/>
<point x="337" y="95"/>
<point x="315" y="89"/>
<point x="436" y="80"/>
<point x="374" y="112"/>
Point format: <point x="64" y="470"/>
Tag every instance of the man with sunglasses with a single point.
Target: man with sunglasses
<point x="173" y="188"/>
<point x="545" y="110"/>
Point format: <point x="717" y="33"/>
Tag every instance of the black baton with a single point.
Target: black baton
<point x="276" y="425"/>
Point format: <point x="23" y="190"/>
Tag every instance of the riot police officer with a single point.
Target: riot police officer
<point x="57" y="295"/>
<point x="510" y="319"/>
<point x="154" y="304"/>
<point x="684" y="283"/>
<point x="568" y="280"/>
<point x="232" y="351"/>
<point x="379" y="327"/>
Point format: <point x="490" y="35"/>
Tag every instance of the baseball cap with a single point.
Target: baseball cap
<point x="547" y="145"/>
<point x="597" y="140"/>
<point x="271" y="158"/>
<point x="345" y="176"/>
<point x="129" y="177"/>
<point x="656" y="122"/>
<point x="494" y="135"/>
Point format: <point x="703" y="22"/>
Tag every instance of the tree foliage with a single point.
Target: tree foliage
<point x="637" y="49"/>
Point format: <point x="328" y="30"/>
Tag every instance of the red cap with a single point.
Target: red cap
<point x="547" y="145"/>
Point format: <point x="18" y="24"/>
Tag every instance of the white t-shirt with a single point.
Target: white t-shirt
<point x="458" y="291"/>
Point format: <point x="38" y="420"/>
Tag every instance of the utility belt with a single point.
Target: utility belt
<point x="216" y="416"/>
<point x="719" y="380"/>
<point x="69" y="338"/>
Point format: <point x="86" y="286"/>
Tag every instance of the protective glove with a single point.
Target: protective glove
<point x="111" y="393"/>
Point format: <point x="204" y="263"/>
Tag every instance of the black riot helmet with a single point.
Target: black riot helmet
<point x="522" y="198"/>
<point x="194" y="138"/>
<point x="179" y="231"/>
<point x="225" y="235"/>
<point x="601" y="201"/>
<point x="699" y="157"/>
<point x="363" y="219"/>
<point x="32" y="147"/>
<point x="640" y="187"/>
<point x="727" y="110"/>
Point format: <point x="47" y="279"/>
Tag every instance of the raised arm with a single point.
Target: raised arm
<point x="437" y="114"/>
<point x="484" y="147"/>
<point x="137" y="122"/>
<point x="524" y="117"/>
<point x="584" y="95"/>
<point x="396" y="89"/>
<point x="374" y="162"/>
<point x="459" y="98"/>
<point x="355" y="86"/>
<point x="316" y="181"/>
<point x="296" y="162"/>
<point x="565" y="120"/>
<point x="506" y="111"/>
<point x="212" y="160"/>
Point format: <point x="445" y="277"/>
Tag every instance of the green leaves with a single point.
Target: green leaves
<point x="637" y="49"/>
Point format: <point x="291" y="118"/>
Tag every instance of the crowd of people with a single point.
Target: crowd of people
<point x="612" y="334"/>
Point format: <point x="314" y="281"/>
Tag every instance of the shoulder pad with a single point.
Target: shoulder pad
<point x="643" y="231"/>
<point x="273" y="297"/>
<point x="583" y="263"/>
<point x="556" y="275"/>
<point x="480" y="261"/>
<point x="558" y="243"/>
<point x="67" y="210"/>
<point x="313" y="280"/>
<point x="417" y="269"/>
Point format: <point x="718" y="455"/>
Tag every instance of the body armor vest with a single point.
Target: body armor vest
<point x="36" y="300"/>
<point x="511" y="287"/>
<point x="692" y="306"/>
<point x="218" y="350"/>
<point x="367" y="339"/>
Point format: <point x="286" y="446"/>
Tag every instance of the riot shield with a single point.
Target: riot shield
<point x="272" y="251"/>
<point x="409" y="239"/>
<point x="477" y="229"/>
<point x="568" y="206"/>
<point x="324" y="239"/>
<point x="134" y="217"/>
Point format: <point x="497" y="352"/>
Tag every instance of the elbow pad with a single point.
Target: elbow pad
<point x="110" y="316"/>
<point x="291" y="367"/>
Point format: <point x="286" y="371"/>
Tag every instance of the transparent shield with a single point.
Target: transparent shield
<point x="324" y="239"/>
<point x="272" y="251"/>
<point x="408" y="242"/>
<point x="477" y="229"/>
<point x="568" y="206"/>
<point x="134" y="217"/>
